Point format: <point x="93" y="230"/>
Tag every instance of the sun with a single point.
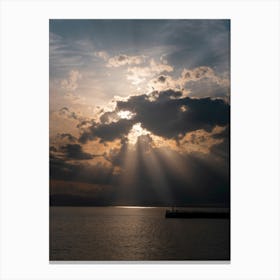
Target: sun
<point x="125" y="115"/>
<point x="135" y="132"/>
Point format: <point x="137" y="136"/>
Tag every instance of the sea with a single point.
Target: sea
<point x="134" y="234"/>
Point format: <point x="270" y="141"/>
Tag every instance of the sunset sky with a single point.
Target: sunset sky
<point x="139" y="111"/>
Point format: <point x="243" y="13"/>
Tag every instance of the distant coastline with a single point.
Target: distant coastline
<point x="80" y="201"/>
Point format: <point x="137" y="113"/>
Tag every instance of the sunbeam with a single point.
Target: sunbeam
<point x="128" y="174"/>
<point x="153" y="167"/>
<point x="175" y="162"/>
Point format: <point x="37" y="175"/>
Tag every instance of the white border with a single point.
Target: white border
<point x="254" y="130"/>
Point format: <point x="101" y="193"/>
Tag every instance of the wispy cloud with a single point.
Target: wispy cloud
<point x="65" y="55"/>
<point x="123" y="59"/>
<point x="102" y="54"/>
<point x="200" y="81"/>
<point x="71" y="83"/>
<point x="139" y="74"/>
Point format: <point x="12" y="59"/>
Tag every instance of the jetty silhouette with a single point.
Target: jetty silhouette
<point x="214" y="213"/>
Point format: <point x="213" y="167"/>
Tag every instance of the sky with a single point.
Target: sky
<point x="139" y="112"/>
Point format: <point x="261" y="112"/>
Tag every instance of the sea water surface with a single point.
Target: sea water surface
<point x="134" y="234"/>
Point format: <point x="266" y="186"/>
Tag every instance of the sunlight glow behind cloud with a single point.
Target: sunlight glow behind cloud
<point x="135" y="132"/>
<point x="125" y="115"/>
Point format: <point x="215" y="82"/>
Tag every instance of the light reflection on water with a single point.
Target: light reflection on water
<point x="134" y="233"/>
<point x="134" y="207"/>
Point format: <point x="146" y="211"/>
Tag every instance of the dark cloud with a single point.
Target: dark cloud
<point x="108" y="117"/>
<point x="74" y="151"/>
<point x="222" y="149"/>
<point x="80" y="172"/>
<point x="195" y="139"/>
<point x="117" y="155"/>
<point x="161" y="79"/>
<point x="169" y="116"/>
<point x="68" y="136"/>
<point x="70" y="114"/>
<point x="84" y="123"/>
<point x="107" y="132"/>
<point x="65" y="111"/>
<point x="53" y="149"/>
<point x="121" y="58"/>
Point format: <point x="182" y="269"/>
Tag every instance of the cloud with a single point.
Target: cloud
<point x="109" y="117"/>
<point x="123" y="59"/>
<point x="163" y="82"/>
<point x="198" y="43"/>
<point x="199" y="141"/>
<point x="71" y="83"/>
<point x="102" y="54"/>
<point x="67" y="136"/>
<point x="66" y="112"/>
<point x="53" y="149"/>
<point x="138" y="75"/>
<point x="74" y="151"/>
<point x="80" y="172"/>
<point x="74" y="98"/>
<point x="170" y="115"/>
<point x="161" y="79"/>
<point x="83" y="124"/>
<point x="61" y="139"/>
<point x="66" y="55"/>
<point x="208" y="87"/>
<point x="116" y="155"/>
<point x="222" y="149"/>
<point x="199" y="73"/>
<point x="107" y="132"/>
<point x="167" y="114"/>
<point x="201" y="81"/>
